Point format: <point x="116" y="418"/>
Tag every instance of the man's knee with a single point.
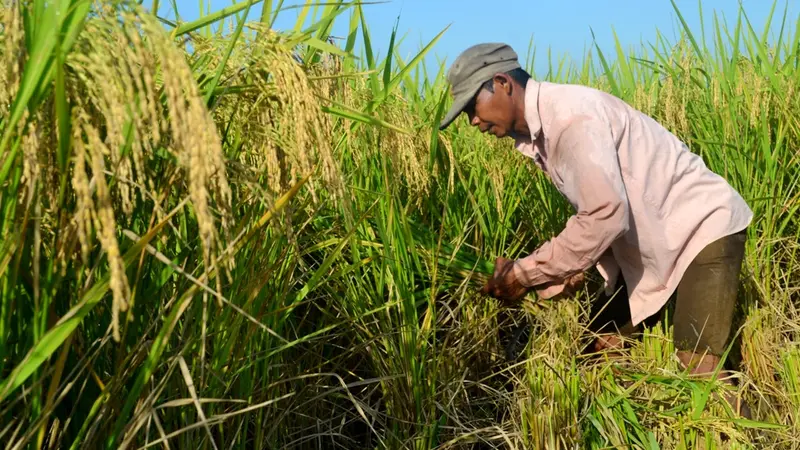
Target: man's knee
<point x="707" y="295"/>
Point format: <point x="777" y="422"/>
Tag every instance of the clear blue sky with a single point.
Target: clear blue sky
<point x="565" y="27"/>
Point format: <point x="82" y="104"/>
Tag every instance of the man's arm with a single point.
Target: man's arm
<point x="586" y="160"/>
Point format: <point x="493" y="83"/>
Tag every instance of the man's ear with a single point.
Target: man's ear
<point x="503" y="81"/>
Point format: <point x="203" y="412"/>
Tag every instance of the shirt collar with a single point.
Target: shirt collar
<point x="532" y="116"/>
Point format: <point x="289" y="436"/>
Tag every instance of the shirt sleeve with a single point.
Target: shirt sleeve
<point x="585" y="160"/>
<point x="609" y="270"/>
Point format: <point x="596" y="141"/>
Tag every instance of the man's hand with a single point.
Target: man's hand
<point x="560" y="290"/>
<point x="504" y="285"/>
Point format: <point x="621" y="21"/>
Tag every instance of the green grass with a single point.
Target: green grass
<point x="323" y="293"/>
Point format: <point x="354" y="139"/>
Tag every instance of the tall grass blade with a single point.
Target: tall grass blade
<point x="223" y="64"/>
<point x="209" y="19"/>
<point x="408" y="67"/>
<point x="608" y="73"/>
<point x="687" y="30"/>
<point x="59" y="333"/>
<point x="347" y="113"/>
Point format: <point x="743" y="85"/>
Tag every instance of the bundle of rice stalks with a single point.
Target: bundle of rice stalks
<point x="454" y="264"/>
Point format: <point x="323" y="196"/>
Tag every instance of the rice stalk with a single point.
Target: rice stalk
<point x="195" y="142"/>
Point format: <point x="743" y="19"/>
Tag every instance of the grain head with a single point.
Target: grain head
<point x="286" y="135"/>
<point x="13" y="54"/>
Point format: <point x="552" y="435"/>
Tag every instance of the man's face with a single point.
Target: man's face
<point x="493" y="112"/>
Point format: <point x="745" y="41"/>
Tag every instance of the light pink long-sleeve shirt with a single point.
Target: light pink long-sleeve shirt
<point x="645" y="205"/>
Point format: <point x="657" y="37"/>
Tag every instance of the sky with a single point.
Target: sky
<point x="565" y="28"/>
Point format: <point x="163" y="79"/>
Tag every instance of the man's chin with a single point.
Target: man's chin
<point x="499" y="133"/>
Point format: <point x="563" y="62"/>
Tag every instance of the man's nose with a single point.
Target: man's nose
<point x="474" y="120"/>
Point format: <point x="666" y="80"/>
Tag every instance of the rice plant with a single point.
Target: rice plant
<point x="216" y="234"/>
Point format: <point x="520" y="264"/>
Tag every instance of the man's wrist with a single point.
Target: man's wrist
<point x="521" y="274"/>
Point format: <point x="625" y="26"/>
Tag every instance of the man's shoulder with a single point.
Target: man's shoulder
<point x="562" y="104"/>
<point x="572" y="90"/>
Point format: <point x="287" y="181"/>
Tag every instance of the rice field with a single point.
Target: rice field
<point x="214" y="234"/>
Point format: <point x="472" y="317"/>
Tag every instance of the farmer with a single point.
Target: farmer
<point x="650" y="216"/>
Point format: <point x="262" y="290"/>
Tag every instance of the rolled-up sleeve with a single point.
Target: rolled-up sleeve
<point x="585" y="160"/>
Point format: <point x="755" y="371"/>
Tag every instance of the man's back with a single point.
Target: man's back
<point x="676" y="205"/>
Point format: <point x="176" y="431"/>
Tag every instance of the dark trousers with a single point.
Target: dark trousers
<point x="704" y="301"/>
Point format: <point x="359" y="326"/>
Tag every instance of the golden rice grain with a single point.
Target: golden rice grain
<point x="80" y="184"/>
<point x="13" y="54"/>
<point x="408" y="153"/>
<point x="30" y="163"/>
<point x="119" y="75"/>
<point x="106" y="226"/>
<point x="288" y="133"/>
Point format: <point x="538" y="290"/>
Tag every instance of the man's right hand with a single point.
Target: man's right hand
<point x="504" y="285"/>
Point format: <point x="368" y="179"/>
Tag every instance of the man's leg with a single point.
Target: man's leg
<point x="610" y="320"/>
<point x="706" y="300"/>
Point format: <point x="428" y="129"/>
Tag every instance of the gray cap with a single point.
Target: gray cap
<point x="471" y="69"/>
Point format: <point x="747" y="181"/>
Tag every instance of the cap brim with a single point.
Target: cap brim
<point x="459" y="103"/>
<point x="472" y="85"/>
